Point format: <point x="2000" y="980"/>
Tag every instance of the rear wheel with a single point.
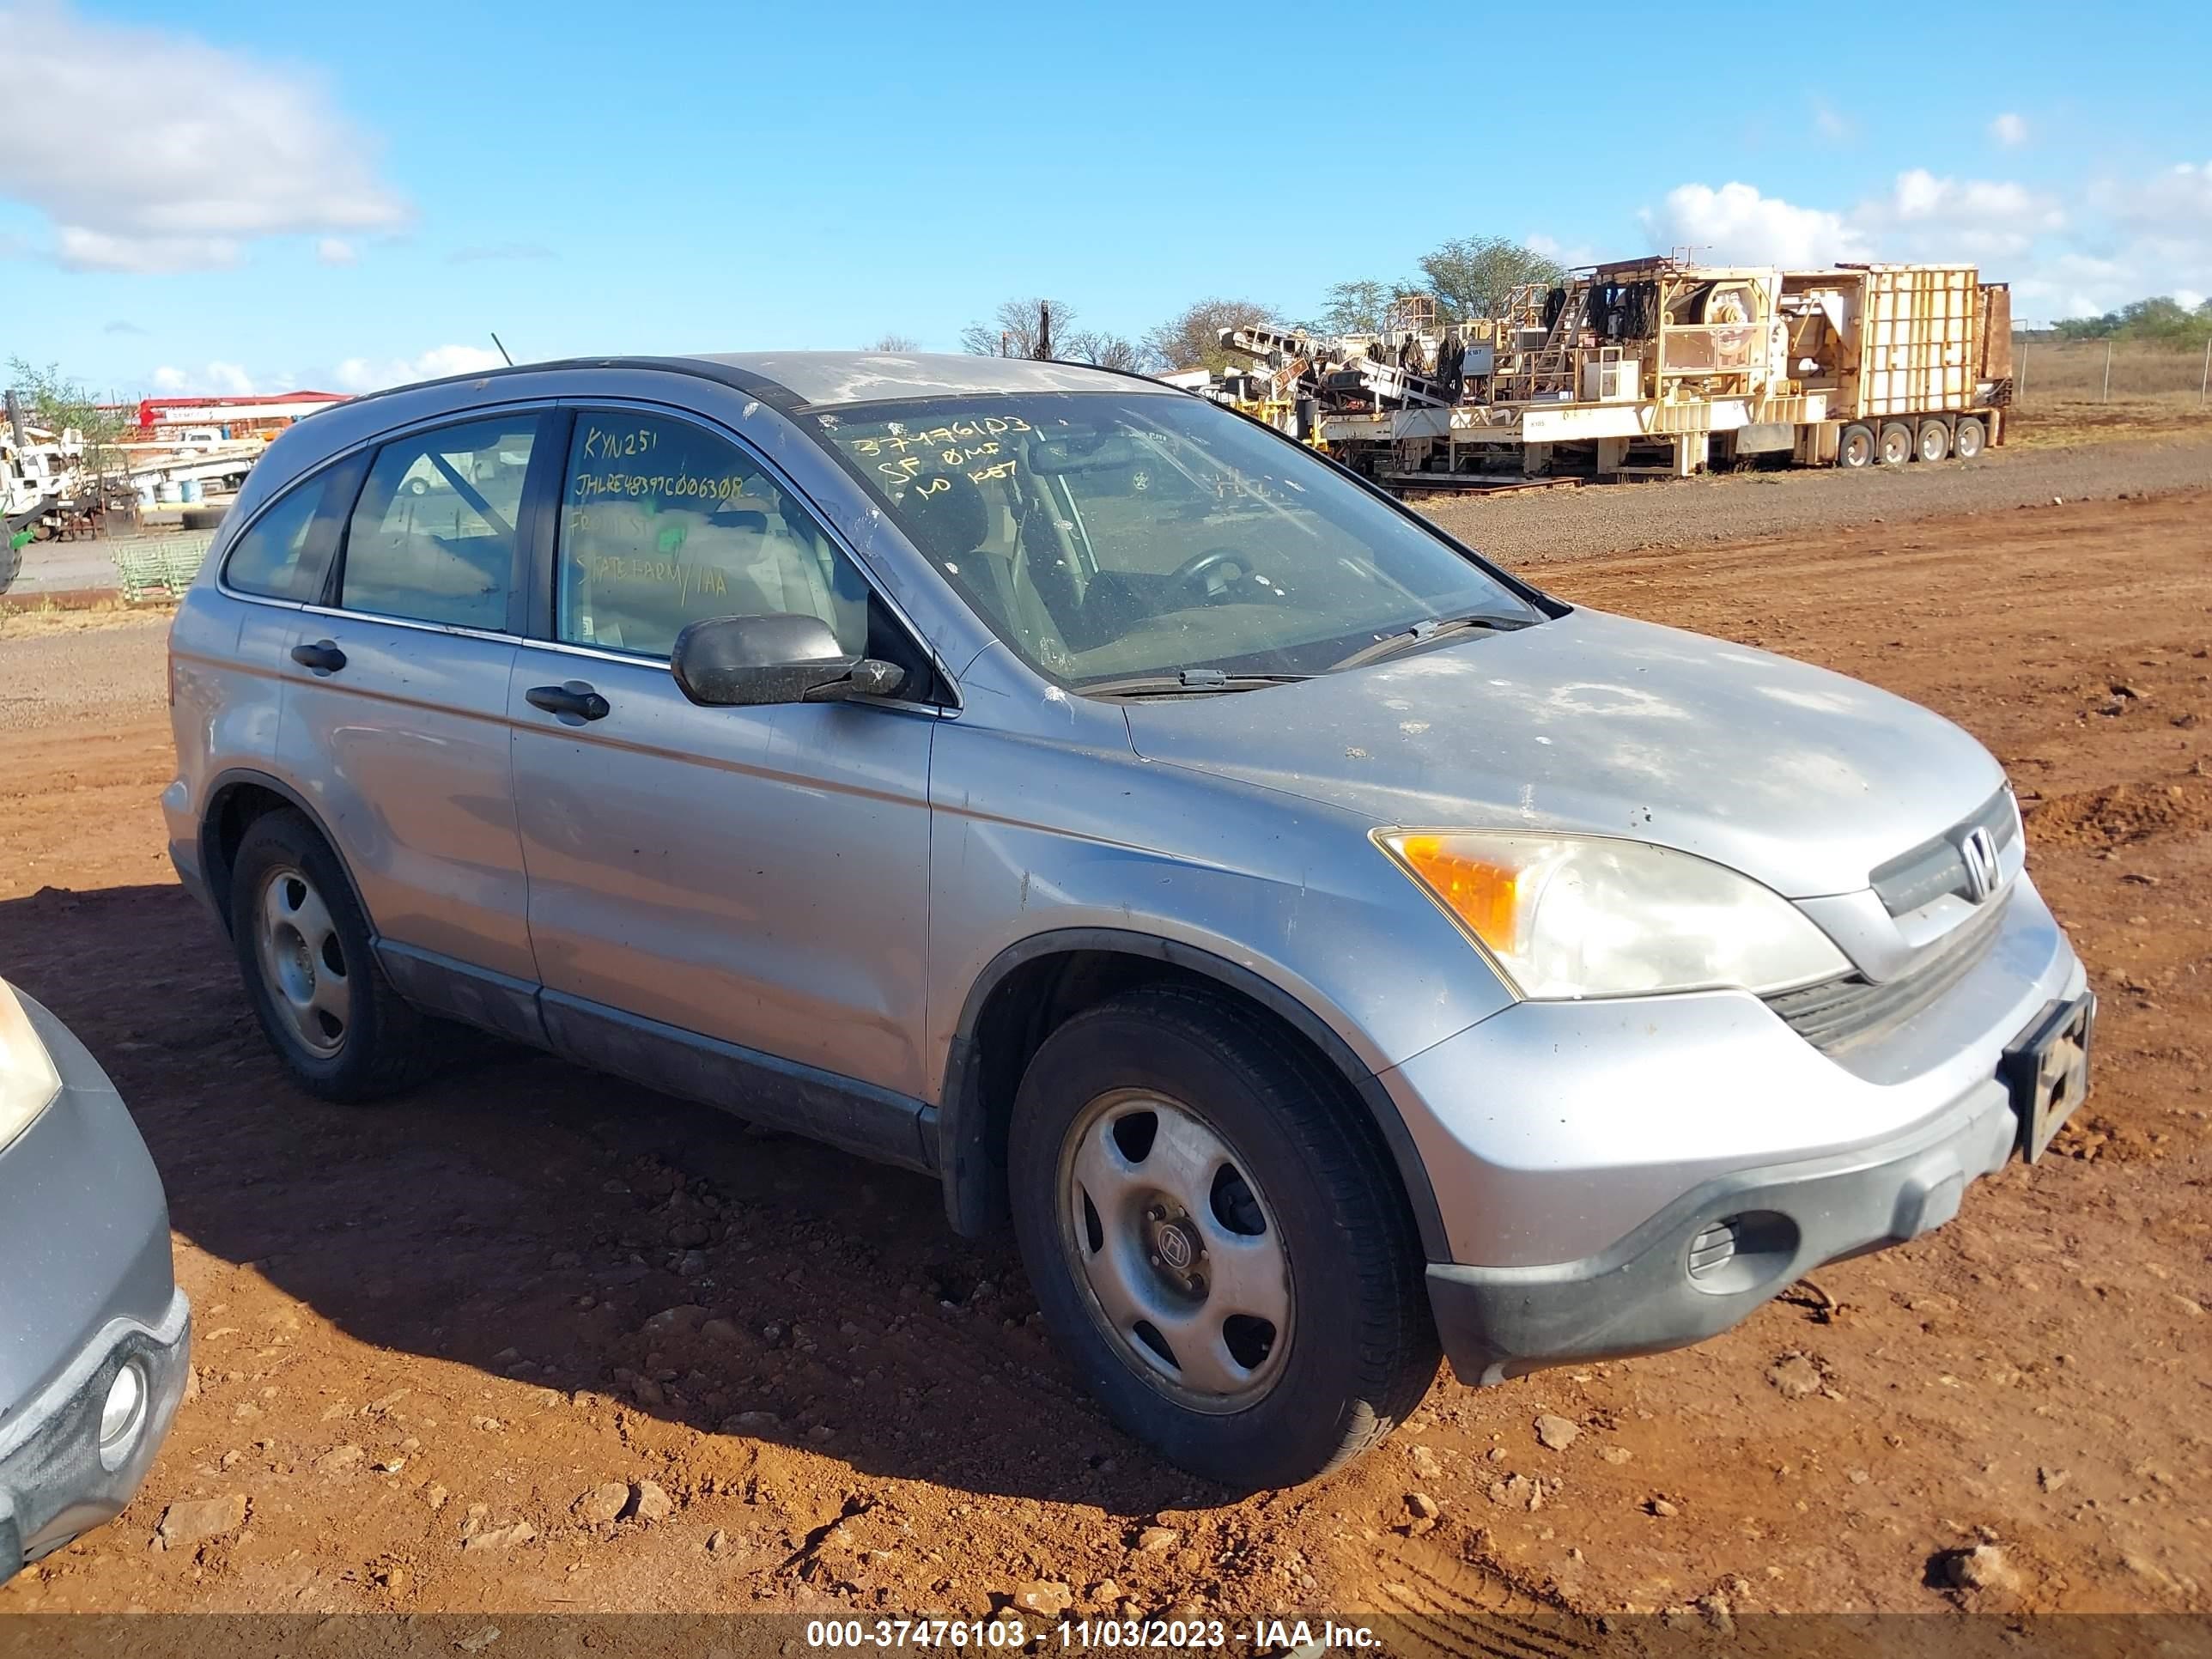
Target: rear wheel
<point x="1895" y="445"/>
<point x="1218" y="1244"/>
<point x="1933" y="442"/>
<point x="303" y="946"/>
<point x="1854" y="446"/>
<point x="1967" y="442"/>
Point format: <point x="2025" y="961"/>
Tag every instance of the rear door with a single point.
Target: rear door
<point x="395" y="712"/>
<point x="710" y="887"/>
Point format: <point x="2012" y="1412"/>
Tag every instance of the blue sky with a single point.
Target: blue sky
<point x="263" y="194"/>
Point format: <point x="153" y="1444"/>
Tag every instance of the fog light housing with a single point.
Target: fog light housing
<point x="123" y="1413"/>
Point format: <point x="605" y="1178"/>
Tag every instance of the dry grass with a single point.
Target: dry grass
<point x="2061" y="395"/>
<point x="2075" y="370"/>
<point x="29" y="618"/>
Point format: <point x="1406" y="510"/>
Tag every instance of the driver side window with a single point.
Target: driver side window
<point x="663" y="524"/>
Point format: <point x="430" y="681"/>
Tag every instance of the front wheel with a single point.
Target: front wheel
<point x="1216" y="1241"/>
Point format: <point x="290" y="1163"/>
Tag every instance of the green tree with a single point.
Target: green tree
<point x="1191" y="337"/>
<point x="51" y="399"/>
<point x="1472" y="275"/>
<point x="2158" y="320"/>
<point x="1356" y="308"/>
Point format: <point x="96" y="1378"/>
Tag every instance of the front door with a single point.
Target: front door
<point x="717" y="891"/>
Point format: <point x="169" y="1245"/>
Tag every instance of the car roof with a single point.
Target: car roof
<point x="828" y="379"/>
<point x="792" y="380"/>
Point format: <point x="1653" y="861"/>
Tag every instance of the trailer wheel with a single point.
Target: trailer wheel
<point x="1855" y="448"/>
<point x="1971" y="436"/>
<point x="1895" y="447"/>
<point x="1935" y="442"/>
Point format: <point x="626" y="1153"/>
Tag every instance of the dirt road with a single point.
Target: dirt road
<point x="427" y="1331"/>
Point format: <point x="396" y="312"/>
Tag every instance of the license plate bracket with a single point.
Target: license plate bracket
<point x="2046" y="1068"/>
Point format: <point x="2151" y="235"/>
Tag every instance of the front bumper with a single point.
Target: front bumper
<point x="56" y="1480"/>
<point x="85" y="1229"/>
<point x="1710" y="1258"/>
<point x="1584" y="1154"/>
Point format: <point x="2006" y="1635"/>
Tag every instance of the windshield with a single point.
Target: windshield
<point x="1111" y="537"/>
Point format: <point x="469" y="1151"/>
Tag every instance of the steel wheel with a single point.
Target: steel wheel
<point x="1895" y="445"/>
<point x="303" y="960"/>
<point x="1855" y="449"/>
<point x="1183" y="1260"/>
<point x="1933" y="442"/>
<point x="1968" y="442"/>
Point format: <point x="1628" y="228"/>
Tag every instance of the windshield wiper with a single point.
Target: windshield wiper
<point x="1185" y="681"/>
<point x="1432" y="627"/>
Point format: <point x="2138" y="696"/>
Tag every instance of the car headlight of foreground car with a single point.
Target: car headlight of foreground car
<point x="28" y="1082"/>
<point x="1566" y="916"/>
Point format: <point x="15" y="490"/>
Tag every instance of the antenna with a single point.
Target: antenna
<point x="502" y="348"/>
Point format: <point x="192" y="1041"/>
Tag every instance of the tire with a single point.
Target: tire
<point x="1968" y="441"/>
<point x="1340" y="1346"/>
<point x="1933" y="442"/>
<point x="1894" y="447"/>
<point x="1855" y="447"/>
<point x="303" y="947"/>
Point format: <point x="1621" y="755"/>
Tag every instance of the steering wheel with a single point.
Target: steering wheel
<point x="1210" y="574"/>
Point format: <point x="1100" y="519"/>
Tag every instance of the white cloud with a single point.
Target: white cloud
<point x="2109" y="241"/>
<point x="1832" y="123"/>
<point x="2009" y="129"/>
<point x="1569" y="254"/>
<point x="2177" y="201"/>
<point x="1925" y="217"/>
<point x="1736" y="224"/>
<point x="336" y="250"/>
<point x="214" y="379"/>
<point x="371" y="374"/>
<point x="151" y="151"/>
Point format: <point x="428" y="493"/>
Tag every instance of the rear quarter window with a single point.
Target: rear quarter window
<point x="272" y="559"/>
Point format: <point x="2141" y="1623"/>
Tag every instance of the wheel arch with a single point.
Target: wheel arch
<point x="1032" y="987"/>
<point x="239" y="796"/>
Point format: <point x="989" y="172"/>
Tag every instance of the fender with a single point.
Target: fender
<point x="971" y="1201"/>
<point x="228" y="779"/>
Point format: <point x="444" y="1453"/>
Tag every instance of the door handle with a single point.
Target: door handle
<point x="573" y="700"/>
<point x="323" y="656"/>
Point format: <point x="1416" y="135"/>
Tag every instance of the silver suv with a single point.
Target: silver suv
<point x="1323" y="946"/>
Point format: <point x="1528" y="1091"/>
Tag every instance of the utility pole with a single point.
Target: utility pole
<point x="2204" y="385"/>
<point x="2108" y="368"/>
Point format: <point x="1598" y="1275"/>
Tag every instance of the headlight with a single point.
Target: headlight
<point x="28" y="1082"/>
<point x="1567" y="917"/>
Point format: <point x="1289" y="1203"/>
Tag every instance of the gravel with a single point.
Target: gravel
<point x="119" y="669"/>
<point x="1544" y="526"/>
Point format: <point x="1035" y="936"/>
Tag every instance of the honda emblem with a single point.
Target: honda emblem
<point x="1978" y="851"/>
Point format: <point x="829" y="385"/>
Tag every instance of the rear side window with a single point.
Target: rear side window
<point x="663" y="524"/>
<point x="270" y="559"/>
<point x="433" y="538"/>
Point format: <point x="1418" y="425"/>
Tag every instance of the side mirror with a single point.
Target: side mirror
<point x="748" y="661"/>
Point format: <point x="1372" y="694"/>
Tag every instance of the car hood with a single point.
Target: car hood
<point x="1798" y="777"/>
